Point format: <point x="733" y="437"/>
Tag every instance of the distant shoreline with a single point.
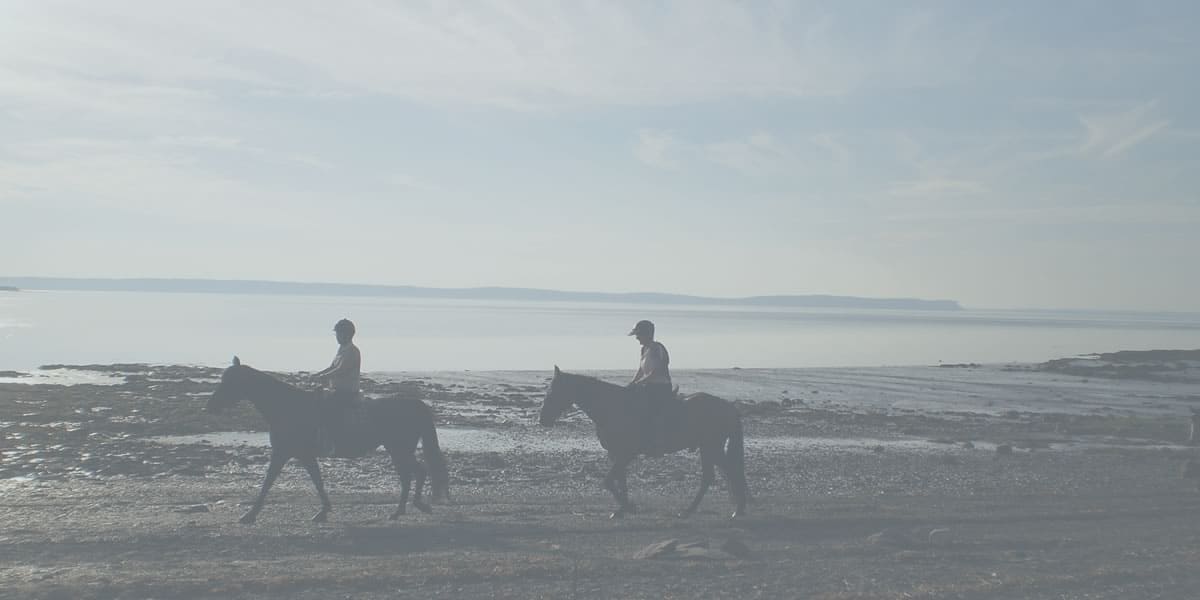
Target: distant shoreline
<point x="483" y="293"/>
<point x="9" y="288"/>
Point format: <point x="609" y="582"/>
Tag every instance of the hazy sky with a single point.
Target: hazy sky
<point x="1004" y="154"/>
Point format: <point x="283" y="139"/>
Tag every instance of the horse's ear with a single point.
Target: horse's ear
<point x="237" y="362"/>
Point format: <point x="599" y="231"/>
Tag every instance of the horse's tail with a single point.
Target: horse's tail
<point x="439" y="479"/>
<point x="735" y="459"/>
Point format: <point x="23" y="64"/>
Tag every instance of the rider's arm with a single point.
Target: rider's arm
<point x="348" y="362"/>
<point x="331" y="369"/>
<point x="637" y="377"/>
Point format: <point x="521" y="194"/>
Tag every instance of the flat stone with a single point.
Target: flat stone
<point x="659" y="550"/>
<point x="693" y="552"/>
<point x="734" y="547"/>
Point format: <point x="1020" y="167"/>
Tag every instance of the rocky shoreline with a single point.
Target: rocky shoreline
<point x="1026" y="503"/>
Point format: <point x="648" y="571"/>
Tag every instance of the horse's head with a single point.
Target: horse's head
<point x="558" y="398"/>
<point x="231" y="389"/>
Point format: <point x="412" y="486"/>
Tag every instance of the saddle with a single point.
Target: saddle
<point x="342" y="430"/>
<point x="663" y="422"/>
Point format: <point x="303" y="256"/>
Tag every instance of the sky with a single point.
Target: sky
<point x="1002" y="154"/>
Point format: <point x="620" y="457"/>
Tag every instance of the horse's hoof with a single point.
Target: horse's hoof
<point x="421" y="506"/>
<point x="628" y="509"/>
<point x="248" y="518"/>
<point x="321" y="517"/>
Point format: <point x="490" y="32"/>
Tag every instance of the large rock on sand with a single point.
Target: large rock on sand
<point x="662" y="549"/>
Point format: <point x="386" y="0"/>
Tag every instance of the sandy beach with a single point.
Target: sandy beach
<point x="1058" y="480"/>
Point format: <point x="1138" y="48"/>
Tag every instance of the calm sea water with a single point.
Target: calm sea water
<point x="294" y="333"/>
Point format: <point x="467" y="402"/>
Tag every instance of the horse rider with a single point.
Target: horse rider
<point x="652" y="384"/>
<point x="342" y="377"/>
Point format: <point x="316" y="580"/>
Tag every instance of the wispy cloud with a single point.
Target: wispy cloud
<point x="837" y="148"/>
<point x="1112" y="134"/>
<point x="1156" y="213"/>
<point x="757" y="154"/>
<point x="411" y="182"/>
<point x="657" y="149"/>
<point x="159" y="177"/>
<point x="500" y="53"/>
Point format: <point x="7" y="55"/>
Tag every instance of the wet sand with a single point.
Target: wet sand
<point x="851" y="471"/>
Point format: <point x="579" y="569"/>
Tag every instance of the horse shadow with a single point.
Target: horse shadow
<point x="364" y="540"/>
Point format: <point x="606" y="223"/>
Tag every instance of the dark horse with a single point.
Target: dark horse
<point x="707" y="423"/>
<point x="292" y="414"/>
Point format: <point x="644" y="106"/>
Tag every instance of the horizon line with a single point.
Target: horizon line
<point x="399" y="289"/>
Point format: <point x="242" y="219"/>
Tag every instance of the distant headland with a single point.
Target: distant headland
<point x="9" y="288"/>
<point x="215" y="286"/>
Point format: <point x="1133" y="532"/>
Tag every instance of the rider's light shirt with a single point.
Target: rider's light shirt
<point x="346" y="365"/>
<point x="654" y="362"/>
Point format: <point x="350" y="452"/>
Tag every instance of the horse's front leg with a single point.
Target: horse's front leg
<point x="623" y="487"/>
<point x="314" y="472"/>
<point x="614" y="482"/>
<point x="706" y="479"/>
<point x="610" y="484"/>
<point x="277" y="462"/>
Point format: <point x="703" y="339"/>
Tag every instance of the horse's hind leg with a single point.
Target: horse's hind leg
<point x="277" y="462"/>
<point x="403" y="463"/>
<point x="404" y="470"/>
<point x="418" y="500"/>
<point x="707" y="478"/>
<point x="314" y="471"/>
<point x="737" y="484"/>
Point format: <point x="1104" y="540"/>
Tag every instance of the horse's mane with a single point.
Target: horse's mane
<point x="260" y="373"/>
<point x="272" y="379"/>
<point x="589" y="379"/>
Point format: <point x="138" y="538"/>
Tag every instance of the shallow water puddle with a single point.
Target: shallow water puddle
<point x="64" y="377"/>
<point x="455" y="439"/>
<point x="474" y="440"/>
